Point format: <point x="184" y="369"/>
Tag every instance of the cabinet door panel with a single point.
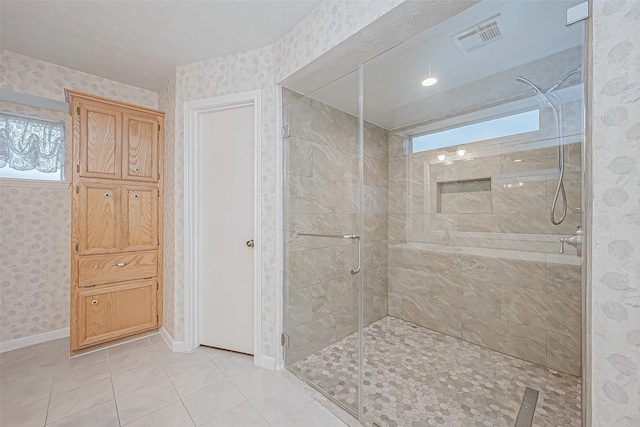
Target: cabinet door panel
<point x="140" y="218"/>
<point x="116" y="312"/>
<point x="100" y="142"/>
<point x="100" y="218"/>
<point x="140" y="160"/>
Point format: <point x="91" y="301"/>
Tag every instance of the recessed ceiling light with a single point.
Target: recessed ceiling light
<point x="441" y="157"/>
<point x="429" y="81"/>
<point x="461" y="152"/>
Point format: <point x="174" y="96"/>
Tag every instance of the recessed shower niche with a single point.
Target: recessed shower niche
<point x="468" y="196"/>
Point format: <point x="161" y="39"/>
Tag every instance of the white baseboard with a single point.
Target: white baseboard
<point x="177" y="346"/>
<point x="267" y="362"/>
<point x="33" y="339"/>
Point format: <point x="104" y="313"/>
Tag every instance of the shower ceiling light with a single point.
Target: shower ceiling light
<point x="429" y="81"/>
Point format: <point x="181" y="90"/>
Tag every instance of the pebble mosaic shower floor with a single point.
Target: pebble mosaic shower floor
<point x="418" y="377"/>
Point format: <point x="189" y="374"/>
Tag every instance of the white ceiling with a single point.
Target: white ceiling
<point x="141" y="42"/>
<point x="531" y="30"/>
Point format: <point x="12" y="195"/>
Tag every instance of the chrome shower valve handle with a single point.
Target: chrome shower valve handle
<point x="575" y="241"/>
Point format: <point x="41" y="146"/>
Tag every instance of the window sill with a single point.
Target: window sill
<point x="34" y="183"/>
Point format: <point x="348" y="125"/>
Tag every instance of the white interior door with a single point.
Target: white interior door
<point x="225" y="211"/>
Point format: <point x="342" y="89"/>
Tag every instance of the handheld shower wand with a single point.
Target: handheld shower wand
<point x="558" y="115"/>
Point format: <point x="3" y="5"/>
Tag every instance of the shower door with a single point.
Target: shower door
<point x="458" y="207"/>
<point x="322" y="241"/>
<point x="484" y="220"/>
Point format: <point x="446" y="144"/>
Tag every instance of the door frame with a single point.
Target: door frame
<point x="192" y="112"/>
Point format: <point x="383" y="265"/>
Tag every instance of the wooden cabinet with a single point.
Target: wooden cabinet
<point x="116" y="232"/>
<point x="140" y="158"/>
<point x="117" y="218"/>
<point x="99" y="211"/>
<point x="140" y="218"/>
<point x="100" y="148"/>
<point x="104" y="269"/>
<point x="109" y="313"/>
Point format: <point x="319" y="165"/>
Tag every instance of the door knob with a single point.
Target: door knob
<point x="249" y="243"/>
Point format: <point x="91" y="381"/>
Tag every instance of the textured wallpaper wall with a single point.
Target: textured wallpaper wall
<point x="28" y="75"/>
<point x="217" y="77"/>
<point x="325" y="27"/>
<point x="167" y="103"/>
<point x="616" y="215"/>
<point x="35" y="222"/>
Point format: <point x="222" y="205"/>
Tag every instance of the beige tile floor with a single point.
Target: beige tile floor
<point x="142" y="383"/>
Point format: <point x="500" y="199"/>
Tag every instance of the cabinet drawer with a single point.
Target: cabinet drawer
<point x="114" y="312"/>
<point x="101" y="269"/>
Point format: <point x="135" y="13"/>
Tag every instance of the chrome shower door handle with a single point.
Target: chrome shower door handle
<point x="333" y="236"/>
<point x="357" y="270"/>
<point x="340" y="236"/>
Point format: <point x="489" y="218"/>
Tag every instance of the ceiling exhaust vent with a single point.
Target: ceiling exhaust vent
<point x="478" y="35"/>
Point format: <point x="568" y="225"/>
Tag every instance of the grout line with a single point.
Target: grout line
<point x="113" y="390"/>
<point x="161" y="408"/>
<point x="178" y="394"/>
<point x="247" y="400"/>
<point x="55" y="370"/>
<point x="81" y="410"/>
<point x="227" y="377"/>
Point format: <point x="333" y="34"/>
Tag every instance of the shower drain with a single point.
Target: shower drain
<point x="527" y="408"/>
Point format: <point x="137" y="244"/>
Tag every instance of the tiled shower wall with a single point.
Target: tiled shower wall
<point x="472" y="252"/>
<point x="321" y="196"/>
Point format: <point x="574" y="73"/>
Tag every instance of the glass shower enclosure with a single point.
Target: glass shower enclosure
<point x="323" y="236"/>
<point x="432" y="264"/>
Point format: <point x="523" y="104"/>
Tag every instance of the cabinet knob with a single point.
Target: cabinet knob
<point x="135" y="196"/>
<point x="107" y="194"/>
<point x="136" y="170"/>
<point x="249" y="243"/>
<point x="94" y="302"/>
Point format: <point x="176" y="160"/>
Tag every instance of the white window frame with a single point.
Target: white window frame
<point x="476" y="123"/>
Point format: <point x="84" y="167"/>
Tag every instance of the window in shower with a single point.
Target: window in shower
<point x="514" y="124"/>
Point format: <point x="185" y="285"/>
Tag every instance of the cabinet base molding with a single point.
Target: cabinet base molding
<point x="113" y="343"/>
<point x="33" y="340"/>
